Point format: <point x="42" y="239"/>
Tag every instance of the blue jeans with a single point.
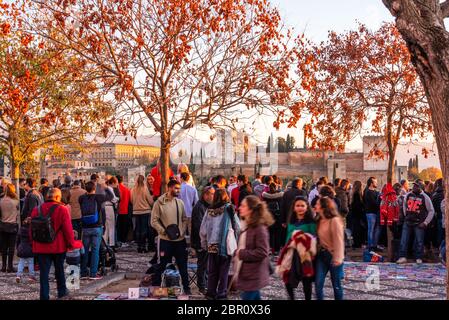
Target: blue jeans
<point x="419" y="241"/>
<point x="25" y="261"/>
<point x="45" y="261"/>
<point x="373" y="230"/>
<point x="323" y="266"/>
<point x="142" y="230"/>
<point x="91" y="241"/>
<point x="250" y="295"/>
<point x="443" y="251"/>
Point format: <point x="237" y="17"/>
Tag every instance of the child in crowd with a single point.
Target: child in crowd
<point x="73" y="257"/>
<point x="25" y="252"/>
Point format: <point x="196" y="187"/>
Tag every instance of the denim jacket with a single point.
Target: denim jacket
<point x="215" y="226"/>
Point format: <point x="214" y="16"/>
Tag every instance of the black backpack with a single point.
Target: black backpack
<point x="274" y="208"/>
<point x="42" y="229"/>
<point x="90" y="215"/>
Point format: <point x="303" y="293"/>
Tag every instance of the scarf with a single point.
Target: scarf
<point x="306" y="246"/>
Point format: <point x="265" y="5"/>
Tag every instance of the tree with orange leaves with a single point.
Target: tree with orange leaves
<point x="366" y="78"/>
<point x="43" y="100"/>
<point x="422" y="25"/>
<point x="172" y="65"/>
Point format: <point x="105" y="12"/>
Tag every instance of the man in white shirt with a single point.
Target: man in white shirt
<point x="316" y="191"/>
<point x="189" y="196"/>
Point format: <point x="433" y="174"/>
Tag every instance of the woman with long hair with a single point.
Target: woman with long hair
<point x="254" y="248"/>
<point x="357" y="215"/>
<point x="142" y="203"/>
<point x="110" y="211"/>
<point x="182" y="167"/>
<point x="9" y="208"/>
<point x="301" y="217"/>
<point x="330" y="257"/>
<point x="219" y="227"/>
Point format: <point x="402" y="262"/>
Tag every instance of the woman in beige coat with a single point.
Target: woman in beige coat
<point x="142" y="202"/>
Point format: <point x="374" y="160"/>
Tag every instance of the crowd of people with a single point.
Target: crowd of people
<point x="236" y="227"/>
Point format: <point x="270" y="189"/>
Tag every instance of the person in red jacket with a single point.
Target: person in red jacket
<point x="54" y="252"/>
<point x="123" y="211"/>
<point x="156" y="173"/>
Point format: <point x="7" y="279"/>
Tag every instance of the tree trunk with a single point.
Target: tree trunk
<point x="15" y="168"/>
<point x="390" y="170"/>
<point x="165" y="160"/>
<point x="392" y="145"/>
<point x="422" y="27"/>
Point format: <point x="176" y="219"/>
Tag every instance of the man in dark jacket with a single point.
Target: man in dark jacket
<point x="437" y="198"/>
<point x="419" y="212"/>
<point x="289" y="196"/>
<point x="198" y="212"/>
<point x="342" y="195"/>
<point x="371" y="200"/>
<point x="93" y="218"/>
<point x="32" y="199"/>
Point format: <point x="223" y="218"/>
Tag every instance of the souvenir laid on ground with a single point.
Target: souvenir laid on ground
<point x="159" y="292"/>
<point x="109" y="296"/>
<point x="72" y="276"/>
<point x="183" y="297"/>
<point x="143" y="292"/>
<point x="133" y="293"/>
<point x="174" y="291"/>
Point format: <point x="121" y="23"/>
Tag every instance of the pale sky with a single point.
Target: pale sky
<point x="316" y="18"/>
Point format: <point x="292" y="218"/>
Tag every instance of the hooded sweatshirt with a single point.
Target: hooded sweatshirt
<point x="166" y="211"/>
<point x="389" y="206"/>
<point x="418" y="208"/>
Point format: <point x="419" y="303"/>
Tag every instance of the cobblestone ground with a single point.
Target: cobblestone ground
<point x="423" y="282"/>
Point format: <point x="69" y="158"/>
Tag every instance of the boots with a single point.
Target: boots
<point x="4" y="258"/>
<point x="10" y="263"/>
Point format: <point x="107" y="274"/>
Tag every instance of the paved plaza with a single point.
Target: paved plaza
<point x="395" y="282"/>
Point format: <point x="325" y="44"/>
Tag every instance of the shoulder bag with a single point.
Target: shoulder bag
<point x="172" y="230"/>
<point x="8" y="227"/>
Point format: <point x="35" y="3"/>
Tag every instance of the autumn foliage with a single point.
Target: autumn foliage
<point x="172" y="65"/>
<point x="364" y="82"/>
<point x="43" y="100"/>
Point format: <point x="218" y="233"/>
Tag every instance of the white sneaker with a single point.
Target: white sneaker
<point x="418" y="261"/>
<point x="401" y="260"/>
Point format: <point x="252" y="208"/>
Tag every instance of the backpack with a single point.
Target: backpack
<point x="89" y="212"/>
<point x="42" y="229"/>
<point x="274" y="208"/>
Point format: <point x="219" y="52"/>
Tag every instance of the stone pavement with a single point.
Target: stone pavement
<point x="424" y="282"/>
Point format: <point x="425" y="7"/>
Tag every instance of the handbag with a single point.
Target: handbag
<point x="237" y="263"/>
<point x="231" y="242"/>
<point x="172" y="230"/>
